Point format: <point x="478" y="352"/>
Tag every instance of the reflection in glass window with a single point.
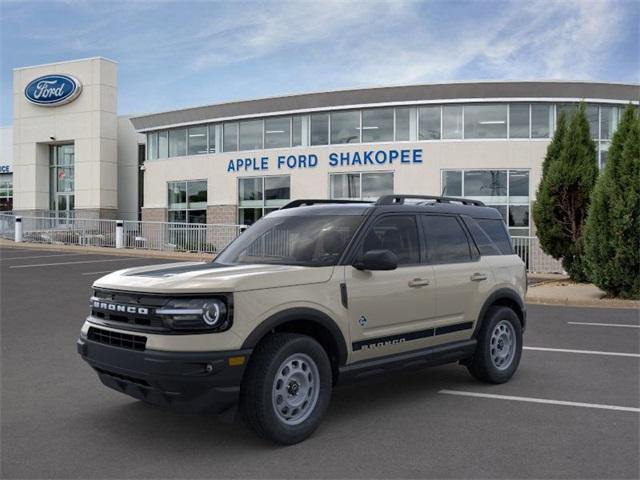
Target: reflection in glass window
<point x="277" y="132"/>
<point x="403" y="124"/>
<point x="152" y="146"/>
<point x="376" y="184"/>
<point x="519" y="186"/>
<point x="429" y="123"/>
<point x="452" y="183"/>
<point x="541" y="120"/>
<point x="604" y="152"/>
<point x="452" y="121"/>
<point x="260" y="195"/>
<point x="296" y="131"/>
<point x="320" y="129"/>
<point x="608" y="122"/>
<point x="345" y="127"/>
<point x="592" y="116"/>
<point x="163" y="144"/>
<point x="212" y="138"/>
<point x="197" y="140"/>
<point x="519" y="216"/>
<point x="519" y="120"/>
<point x="485" y="121"/>
<point x="251" y="135"/>
<point x="446" y="240"/>
<point x="178" y="142"/>
<point x="398" y="234"/>
<point x="489" y="184"/>
<point x="187" y="203"/>
<point x="345" y="186"/>
<point x="377" y="125"/>
<point x="6" y="192"/>
<point x="230" y="137"/>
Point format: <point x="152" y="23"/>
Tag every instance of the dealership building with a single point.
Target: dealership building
<point x="231" y="163"/>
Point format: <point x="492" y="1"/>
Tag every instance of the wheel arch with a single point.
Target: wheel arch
<point x="506" y="297"/>
<point x="307" y="321"/>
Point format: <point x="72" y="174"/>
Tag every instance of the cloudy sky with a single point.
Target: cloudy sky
<point x="174" y="54"/>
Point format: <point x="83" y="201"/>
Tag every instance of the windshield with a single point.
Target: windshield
<point x="311" y="241"/>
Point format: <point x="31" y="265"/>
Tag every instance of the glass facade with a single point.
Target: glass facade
<point x="360" y="185"/>
<point x="506" y="190"/>
<point x="384" y="124"/>
<point x="258" y="196"/>
<point x="6" y="192"/>
<point x="61" y="179"/>
<point x="187" y="201"/>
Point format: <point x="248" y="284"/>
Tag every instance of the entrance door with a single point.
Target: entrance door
<point x="62" y="180"/>
<point x="387" y="308"/>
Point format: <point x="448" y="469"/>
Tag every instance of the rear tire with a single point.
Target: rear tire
<point x="287" y="388"/>
<point x="499" y="346"/>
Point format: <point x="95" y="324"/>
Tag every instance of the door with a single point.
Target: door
<point x="389" y="308"/>
<point x="461" y="275"/>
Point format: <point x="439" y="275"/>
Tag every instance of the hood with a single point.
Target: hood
<point x="196" y="277"/>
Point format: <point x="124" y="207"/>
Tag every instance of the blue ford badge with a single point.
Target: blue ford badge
<point x="52" y="90"/>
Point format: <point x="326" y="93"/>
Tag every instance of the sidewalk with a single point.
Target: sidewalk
<point x="567" y="293"/>
<point x="128" y="252"/>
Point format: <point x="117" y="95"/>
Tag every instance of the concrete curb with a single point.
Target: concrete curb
<point x="590" y="303"/>
<point x="127" y="252"/>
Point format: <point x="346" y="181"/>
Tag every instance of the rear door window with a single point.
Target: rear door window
<point x="446" y="239"/>
<point x="485" y="245"/>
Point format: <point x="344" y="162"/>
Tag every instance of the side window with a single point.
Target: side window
<point x="497" y="232"/>
<point x="484" y="243"/>
<point x="397" y="233"/>
<point x="446" y="240"/>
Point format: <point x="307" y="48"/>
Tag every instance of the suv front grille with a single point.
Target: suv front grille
<point x="128" y="309"/>
<point x="117" y="339"/>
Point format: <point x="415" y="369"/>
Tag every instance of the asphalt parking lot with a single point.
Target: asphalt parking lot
<point x="571" y="411"/>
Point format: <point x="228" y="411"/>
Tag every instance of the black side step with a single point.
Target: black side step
<point x="426" y="357"/>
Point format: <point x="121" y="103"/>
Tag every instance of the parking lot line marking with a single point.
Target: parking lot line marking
<point x="604" y="324"/>
<point x="41" y="256"/>
<point x="587" y="352"/>
<point x="540" y="400"/>
<point x="72" y="263"/>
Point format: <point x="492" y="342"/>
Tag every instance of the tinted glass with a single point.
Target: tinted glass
<point x="197" y="194"/>
<point x="592" y="117"/>
<point x="230" y="137"/>
<point x="197" y="216"/>
<point x="490" y="185"/>
<point x="497" y="232"/>
<point x="608" y="121"/>
<point x="518" y="186"/>
<point x="251" y="135"/>
<point x="177" y="195"/>
<point x="446" y="240"/>
<point x="397" y="233"/>
<point x="197" y="140"/>
<point x="429" y="123"/>
<point x="320" y="129"/>
<point x="452" y="121"/>
<point x="345" y="185"/>
<point x="277" y="132"/>
<point x="481" y="238"/>
<point x="485" y="121"/>
<point x="248" y="216"/>
<point x="296" y="131"/>
<point x="313" y="241"/>
<point x="178" y="142"/>
<point x="212" y="139"/>
<point x="163" y="144"/>
<point x="250" y="191"/>
<point x="452" y="181"/>
<point x="152" y="146"/>
<point x="277" y="190"/>
<point x="403" y="124"/>
<point x="375" y="185"/>
<point x="541" y="120"/>
<point x="345" y="127"/>
<point x="519" y="216"/>
<point x="519" y="120"/>
<point x="377" y="125"/>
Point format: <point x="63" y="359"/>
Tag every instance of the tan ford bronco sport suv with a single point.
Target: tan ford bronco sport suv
<point x="316" y="293"/>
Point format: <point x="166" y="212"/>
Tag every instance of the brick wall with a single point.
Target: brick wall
<point x="154" y="214"/>
<point x="224" y="214"/>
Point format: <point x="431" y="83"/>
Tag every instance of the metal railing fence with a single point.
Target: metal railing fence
<point x="69" y="231"/>
<point x="7" y="226"/>
<point x="528" y="248"/>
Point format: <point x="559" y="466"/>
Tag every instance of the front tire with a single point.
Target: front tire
<point x="287" y="388"/>
<point x="499" y="346"/>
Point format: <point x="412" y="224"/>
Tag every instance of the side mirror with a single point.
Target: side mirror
<point x="377" y="260"/>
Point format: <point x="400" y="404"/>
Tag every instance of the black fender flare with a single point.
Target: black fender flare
<point x="502" y="294"/>
<point x="299" y="313"/>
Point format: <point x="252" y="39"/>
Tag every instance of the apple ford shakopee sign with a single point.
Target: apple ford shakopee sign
<point x="53" y="90"/>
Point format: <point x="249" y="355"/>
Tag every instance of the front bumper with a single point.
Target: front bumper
<point x="184" y="381"/>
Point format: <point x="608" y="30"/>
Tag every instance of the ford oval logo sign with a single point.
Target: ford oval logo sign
<point x="53" y="90"/>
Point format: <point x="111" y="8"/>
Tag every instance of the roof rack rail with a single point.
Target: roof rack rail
<point x="399" y="200"/>
<point x="309" y="201"/>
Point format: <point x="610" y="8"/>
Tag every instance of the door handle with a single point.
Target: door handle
<point x="419" y="282"/>
<point x="478" y="277"/>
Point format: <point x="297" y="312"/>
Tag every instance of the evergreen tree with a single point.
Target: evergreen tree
<point x="563" y="197"/>
<point x="612" y="233"/>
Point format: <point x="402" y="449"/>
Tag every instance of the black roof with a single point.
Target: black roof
<point x="459" y="206"/>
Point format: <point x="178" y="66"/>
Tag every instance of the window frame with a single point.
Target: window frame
<point x="186" y="210"/>
<point x="263" y="201"/>
<point x="360" y="175"/>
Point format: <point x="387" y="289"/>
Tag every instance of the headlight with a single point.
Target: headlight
<point x="196" y="314"/>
